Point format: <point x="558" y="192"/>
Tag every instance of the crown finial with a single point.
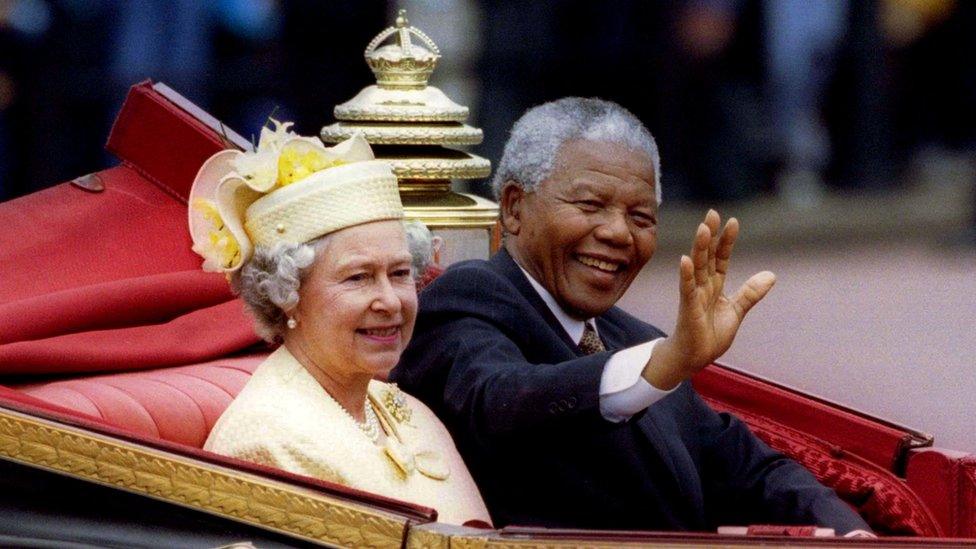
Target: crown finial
<point x="403" y="64"/>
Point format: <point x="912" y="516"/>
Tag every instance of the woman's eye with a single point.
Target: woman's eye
<point x="358" y="277"/>
<point x="402" y="273"/>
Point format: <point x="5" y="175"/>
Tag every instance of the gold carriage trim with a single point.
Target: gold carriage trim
<point x="389" y="134"/>
<point x="436" y="535"/>
<point x="401" y="113"/>
<point x="220" y="491"/>
<point x="473" y="167"/>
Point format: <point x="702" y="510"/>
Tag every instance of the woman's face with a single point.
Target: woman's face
<point x="358" y="303"/>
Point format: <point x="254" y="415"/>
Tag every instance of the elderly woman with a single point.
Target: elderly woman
<point x="313" y="241"/>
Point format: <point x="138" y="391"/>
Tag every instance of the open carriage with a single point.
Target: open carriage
<point x="117" y="355"/>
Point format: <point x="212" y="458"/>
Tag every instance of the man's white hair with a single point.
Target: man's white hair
<point x="536" y="137"/>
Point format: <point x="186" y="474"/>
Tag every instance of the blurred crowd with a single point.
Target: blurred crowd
<point x="746" y="97"/>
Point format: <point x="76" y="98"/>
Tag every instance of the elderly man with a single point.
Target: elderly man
<point x="568" y="411"/>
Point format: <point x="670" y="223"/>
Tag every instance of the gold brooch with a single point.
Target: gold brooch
<point x="396" y="403"/>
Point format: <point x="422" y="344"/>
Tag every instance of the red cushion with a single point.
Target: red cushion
<point x="849" y="452"/>
<point x="865" y="436"/>
<point x="179" y="404"/>
<point x="102" y="281"/>
<point x="885" y="501"/>
<point x="24" y="403"/>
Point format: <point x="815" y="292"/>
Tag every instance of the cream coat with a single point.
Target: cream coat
<point x="283" y="418"/>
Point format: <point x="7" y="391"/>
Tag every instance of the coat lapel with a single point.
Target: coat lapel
<point x="503" y="262"/>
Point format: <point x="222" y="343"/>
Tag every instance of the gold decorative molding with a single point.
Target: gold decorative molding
<point x="382" y="134"/>
<point x="401" y="113"/>
<point x="474" y="167"/>
<point x="424" y="539"/>
<point x="437" y="535"/>
<point x="217" y="490"/>
<point x="453" y="210"/>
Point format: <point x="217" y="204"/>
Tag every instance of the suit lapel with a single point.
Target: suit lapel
<point x="505" y="265"/>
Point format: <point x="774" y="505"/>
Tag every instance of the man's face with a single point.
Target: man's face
<point x="587" y="230"/>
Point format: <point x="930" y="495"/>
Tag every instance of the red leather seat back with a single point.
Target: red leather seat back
<point x="179" y="404"/>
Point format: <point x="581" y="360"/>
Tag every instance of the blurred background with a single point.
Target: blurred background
<point x="842" y="133"/>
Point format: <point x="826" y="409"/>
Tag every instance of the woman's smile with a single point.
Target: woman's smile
<point x="388" y="335"/>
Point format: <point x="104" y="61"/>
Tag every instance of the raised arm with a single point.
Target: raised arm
<point x="707" y="319"/>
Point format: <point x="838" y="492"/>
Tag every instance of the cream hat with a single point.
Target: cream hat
<point x="292" y="189"/>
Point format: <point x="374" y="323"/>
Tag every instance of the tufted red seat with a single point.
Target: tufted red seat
<point x="179" y="404"/>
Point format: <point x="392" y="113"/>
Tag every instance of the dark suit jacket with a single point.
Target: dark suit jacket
<point x="522" y="403"/>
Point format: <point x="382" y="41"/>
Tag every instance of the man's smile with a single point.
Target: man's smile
<point x="607" y="266"/>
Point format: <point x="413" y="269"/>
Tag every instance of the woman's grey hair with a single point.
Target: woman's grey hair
<point x="421" y="243"/>
<point x="268" y="283"/>
<point x="536" y="137"/>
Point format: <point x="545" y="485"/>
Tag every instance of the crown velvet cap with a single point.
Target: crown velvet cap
<point x="292" y="189"/>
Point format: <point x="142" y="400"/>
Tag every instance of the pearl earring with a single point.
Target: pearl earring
<point x="292" y="323"/>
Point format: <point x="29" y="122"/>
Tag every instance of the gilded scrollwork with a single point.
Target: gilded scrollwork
<point x="433" y="169"/>
<point x="460" y="134"/>
<point x="397" y="113"/>
<point x="195" y="484"/>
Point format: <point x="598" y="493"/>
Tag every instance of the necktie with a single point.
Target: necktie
<point x="590" y="343"/>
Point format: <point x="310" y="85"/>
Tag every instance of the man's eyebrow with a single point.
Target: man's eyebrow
<point x="581" y="184"/>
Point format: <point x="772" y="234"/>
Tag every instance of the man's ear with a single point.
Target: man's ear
<point x="511" y="207"/>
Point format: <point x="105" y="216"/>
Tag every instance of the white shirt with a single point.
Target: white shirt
<point x="623" y="391"/>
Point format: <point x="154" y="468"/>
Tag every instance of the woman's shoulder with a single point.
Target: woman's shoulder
<point x="275" y="400"/>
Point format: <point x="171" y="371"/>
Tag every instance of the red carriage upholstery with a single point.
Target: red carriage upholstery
<point x="856" y="455"/>
<point x="178" y="404"/>
<point x="128" y="333"/>
<point x="946" y="481"/>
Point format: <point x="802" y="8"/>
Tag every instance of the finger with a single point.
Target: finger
<point x="699" y="254"/>
<point x="724" y="249"/>
<point x="686" y="276"/>
<point x="752" y="292"/>
<point x="714" y="222"/>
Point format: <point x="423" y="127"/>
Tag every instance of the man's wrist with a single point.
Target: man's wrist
<point x="664" y="369"/>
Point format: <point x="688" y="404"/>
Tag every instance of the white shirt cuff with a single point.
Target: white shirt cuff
<point x="623" y="391"/>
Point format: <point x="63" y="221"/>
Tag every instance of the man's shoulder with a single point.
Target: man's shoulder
<point x="473" y="281"/>
<point x="471" y="267"/>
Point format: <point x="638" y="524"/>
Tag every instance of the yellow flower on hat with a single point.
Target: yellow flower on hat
<point x="260" y="168"/>
<point x="299" y="159"/>
<point x="221" y="250"/>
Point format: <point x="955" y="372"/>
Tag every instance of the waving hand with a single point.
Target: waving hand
<point x="707" y="319"/>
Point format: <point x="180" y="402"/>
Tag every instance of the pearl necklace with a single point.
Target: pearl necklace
<point x="371" y="427"/>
